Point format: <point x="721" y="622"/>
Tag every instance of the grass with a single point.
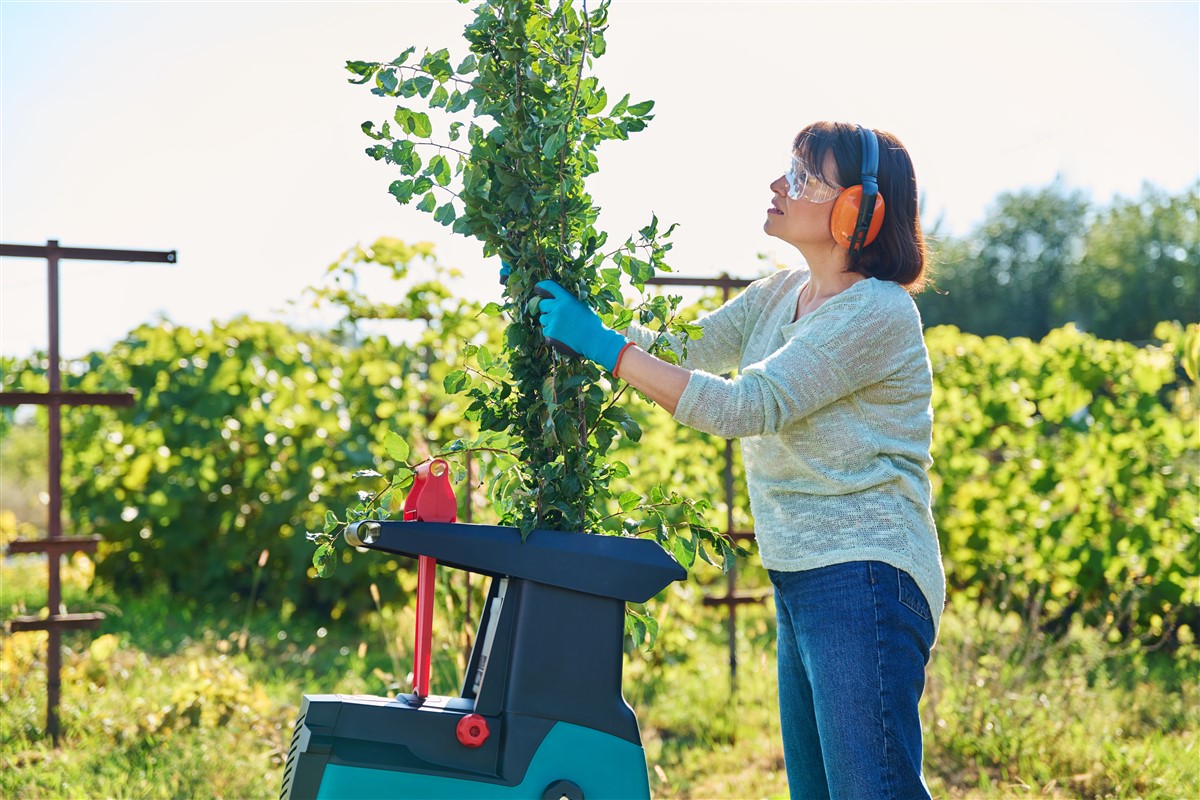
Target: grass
<point x="170" y="700"/>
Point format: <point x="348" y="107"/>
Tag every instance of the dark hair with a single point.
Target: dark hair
<point x="898" y="254"/>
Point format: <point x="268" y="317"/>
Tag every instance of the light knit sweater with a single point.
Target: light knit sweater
<point x="834" y="416"/>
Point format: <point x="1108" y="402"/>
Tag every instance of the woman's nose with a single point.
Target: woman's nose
<point x="779" y="185"/>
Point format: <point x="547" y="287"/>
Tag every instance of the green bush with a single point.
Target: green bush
<point x="1065" y="475"/>
<point x="1065" y="470"/>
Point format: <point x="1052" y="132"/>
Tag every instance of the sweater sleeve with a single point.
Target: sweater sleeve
<point x="719" y="349"/>
<point x="859" y="346"/>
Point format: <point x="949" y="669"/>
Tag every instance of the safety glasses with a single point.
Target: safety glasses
<point x="802" y="183"/>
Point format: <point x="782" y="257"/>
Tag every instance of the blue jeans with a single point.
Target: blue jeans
<point x="853" y="643"/>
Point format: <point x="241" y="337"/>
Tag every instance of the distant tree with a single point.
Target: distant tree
<point x="1141" y="266"/>
<point x="1007" y="277"/>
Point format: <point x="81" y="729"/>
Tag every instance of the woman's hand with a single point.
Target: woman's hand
<point x="566" y="320"/>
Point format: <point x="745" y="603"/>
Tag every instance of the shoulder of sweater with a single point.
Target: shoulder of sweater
<point x="872" y="307"/>
<point x="890" y="301"/>
<point x="780" y="280"/>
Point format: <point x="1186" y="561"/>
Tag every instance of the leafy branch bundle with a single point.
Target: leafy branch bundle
<point x="532" y="118"/>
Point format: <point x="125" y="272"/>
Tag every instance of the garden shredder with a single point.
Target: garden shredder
<point x="540" y="713"/>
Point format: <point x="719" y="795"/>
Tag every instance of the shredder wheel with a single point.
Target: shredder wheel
<point x="563" y="790"/>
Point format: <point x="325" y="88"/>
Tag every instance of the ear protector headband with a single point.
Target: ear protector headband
<point x="858" y="211"/>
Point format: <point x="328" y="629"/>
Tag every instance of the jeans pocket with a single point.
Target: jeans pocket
<point x="911" y="595"/>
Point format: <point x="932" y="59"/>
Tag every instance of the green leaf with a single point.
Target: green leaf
<point x="454" y="382"/>
<point x="395" y="499"/>
<point x="652" y="631"/>
<point x="629" y="501"/>
<point x="455" y="131"/>
<point x="400" y="59"/>
<point x="396" y="448"/>
<point x="641" y="109"/>
<point x="386" y="80"/>
<point x="402" y="190"/>
<point x="439" y="168"/>
<point x="554" y="143"/>
<point x="428" y="202"/>
<point x="421" y="126"/>
<point x="439" y="98"/>
<point x="458" y="101"/>
<point x="403" y="117"/>
<point x="445" y="214"/>
<point x="685" y="551"/>
<point x="424" y="85"/>
<point x="364" y="69"/>
<point x="331" y="522"/>
<point x="325" y="560"/>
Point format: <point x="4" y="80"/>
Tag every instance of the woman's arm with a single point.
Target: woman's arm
<point x="719" y="348"/>
<point x="661" y="382"/>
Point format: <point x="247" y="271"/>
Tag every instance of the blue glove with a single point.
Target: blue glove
<point x="569" y="325"/>
<point x="505" y="270"/>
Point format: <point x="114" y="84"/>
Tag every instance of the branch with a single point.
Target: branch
<point x="437" y="185"/>
<point x="427" y="72"/>
<point x="640" y="506"/>
<point x="491" y="378"/>
<point x="548" y="54"/>
<point x="431" y="143"/>
<point x="446" y="453"/>
<point x="616" y="397"/>
<point x="562" y="154"/>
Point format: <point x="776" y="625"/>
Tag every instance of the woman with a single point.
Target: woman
<point x="832" y="404"/>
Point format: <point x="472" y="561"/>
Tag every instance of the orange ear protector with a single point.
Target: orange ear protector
<point x="858" y="211"/>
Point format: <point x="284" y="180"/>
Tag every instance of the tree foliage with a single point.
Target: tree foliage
<point x="1045" y="257"/>
<point x="533" y="118"/>
<point x="1141" y="264"/>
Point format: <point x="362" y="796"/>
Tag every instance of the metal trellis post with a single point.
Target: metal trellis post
<point x="55" y="545"/>
<point x="732" y="597"/>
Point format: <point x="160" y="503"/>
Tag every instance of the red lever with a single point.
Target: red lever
<point x="426" y="577"/>
<point x="431" y="500"/>
<point x="472" y="730"/>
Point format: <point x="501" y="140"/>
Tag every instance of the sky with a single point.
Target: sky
<point x="227" y="131"/>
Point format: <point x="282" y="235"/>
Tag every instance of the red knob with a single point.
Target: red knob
<point x="472" y="730"/>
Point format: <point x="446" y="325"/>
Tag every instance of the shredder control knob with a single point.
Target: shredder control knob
<point x="472" y="730"/>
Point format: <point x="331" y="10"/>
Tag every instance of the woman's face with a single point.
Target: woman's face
<point x="801" y="223"/>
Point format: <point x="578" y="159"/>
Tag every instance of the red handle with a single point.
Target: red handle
<point x="432" y="500"/>
<point x="426" y="575"/>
